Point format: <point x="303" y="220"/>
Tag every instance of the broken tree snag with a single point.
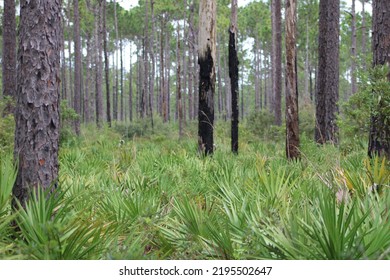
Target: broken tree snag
<point x="233" y="74"/>
<point x="206" y="60"/>
<point x="38" y="92"/>
<point x="206" y="104"/>
<point x="292" y="122"/>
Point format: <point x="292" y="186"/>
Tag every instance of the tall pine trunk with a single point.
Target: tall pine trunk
<point x="131" y="87"/>
<point x="353" y="51"/>
<point x="116" y="91"/>
<point x="379" y="138"/>
<point x="99" y="65"/>
<point x="153" y="62"/>
<point x="277" y="60"/>
<point x="122" y="111"/>
<point x="106" y="64"/>
<point x="364" y="35"/>
<point x="38" y="93"/>
<point x="332" y="71"/>
<point x="178" y="85"/>
<point x="87" y="81"/>
<point x="162" y="74"/>
<point x="292" y="123"/>
<point x="77" y="65"/>
<point x="9" y="53"/>
<point x="64" y="90"/>
<point x="327" y="88"/>
<point x="71" y="84"/>
<point x="193" y="68"/>
<point x="219" y="80"/>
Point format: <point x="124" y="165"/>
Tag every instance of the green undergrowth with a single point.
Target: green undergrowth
<point x="154" y="197"/>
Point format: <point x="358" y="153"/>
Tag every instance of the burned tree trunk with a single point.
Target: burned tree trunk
<point x="206" y="60"/>
<point x="233" y="73"/>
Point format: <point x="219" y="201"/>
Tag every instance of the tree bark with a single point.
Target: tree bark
<point x="122" y="111"/>
<point x="77" y="65"/>
<point x="328" y="72"/>
<point x="292" y="122"/>
<point x="153" y="62"/>
<point x="116" y="91"/>
<point x="71" y="84"/>
<point x="87" y="81"/>
<point x="64" y="90"/>
<point x="178" y="85"/>
<point x="38" y="94"/>
<point x="228" y="96"/>
<point x="379" y="138"/>
<point x="332" y="71"/>
<point x="353" y="51"/>
<point x="99" y="65"/>
<point x="242" y="94"/>
<point x="219" y="80"/>
<point x="364" y="35"/>
<point x="168" y="77"/>
<point x="9" y="53"/>
<point x="185" y="67"/>
<point x="190" y="83"/>
<point x="162" y="74"/>
<point x="268" y="73"/>
<point x="258" y="90"/>
<point x="233" y="74"/>
<point x="193" y="68"/>
<point x="277" y="60"/>
<point x="106" y="65"/>
<point x="131" y="88"/>
<point x="307" y="64"/>
<point x="206" y="60"/>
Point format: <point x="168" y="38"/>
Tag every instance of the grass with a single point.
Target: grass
<point x="154" y="197"/>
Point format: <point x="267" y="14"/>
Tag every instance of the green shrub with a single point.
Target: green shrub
<point x="307" y="120"/>
<point x="153" y="197"/>
<point x="7" y="128"/>
<point x="7" y="180"/>
<point x="373" y="98"/>
<point x="261" y="124"/>
<point x="143" y="128"/>
<point x="68" y="116"/>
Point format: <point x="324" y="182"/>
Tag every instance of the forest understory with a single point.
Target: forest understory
<point x="125" y="196"/>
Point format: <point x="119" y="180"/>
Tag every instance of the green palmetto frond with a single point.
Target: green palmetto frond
<point x="7" y="180"/>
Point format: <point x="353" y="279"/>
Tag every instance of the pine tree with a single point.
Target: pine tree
<point x="38" y="94"/>
<point x="379" y="138"/>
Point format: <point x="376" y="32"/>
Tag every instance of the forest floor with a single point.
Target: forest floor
<point x="155" y="197"/>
